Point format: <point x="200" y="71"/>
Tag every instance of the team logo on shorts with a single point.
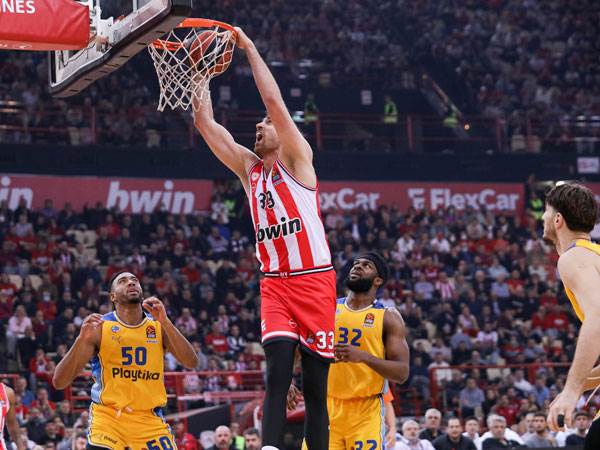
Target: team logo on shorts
<point x="310" y="338"/>
<point x="150" y="332"/>
<point x="369" y="320"/>
<point x="255" y="176"/>
<point x="115" y="328"/>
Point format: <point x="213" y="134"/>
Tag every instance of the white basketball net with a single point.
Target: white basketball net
<point x="186" y="60"/>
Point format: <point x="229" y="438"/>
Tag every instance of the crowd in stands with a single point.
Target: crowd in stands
<point x="517" y="60"/>
<point x="475" y="288"/>
<point x="512" y="60"/>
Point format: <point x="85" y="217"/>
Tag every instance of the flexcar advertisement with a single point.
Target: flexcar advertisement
<point x="347" y="195"/>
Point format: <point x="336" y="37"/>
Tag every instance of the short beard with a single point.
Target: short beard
<point x="550" y="238"/>
<point x="360" y="285"/>
<point x="132" y="300"/>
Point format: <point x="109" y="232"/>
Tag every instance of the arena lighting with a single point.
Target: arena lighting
<point x="467" y="127"/>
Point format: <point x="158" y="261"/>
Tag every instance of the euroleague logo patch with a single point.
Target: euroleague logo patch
<point x="310" y="338"/>
<point x="369" y="320"/>
<point x="150" y="332"/>
<point x="115" y="328"/>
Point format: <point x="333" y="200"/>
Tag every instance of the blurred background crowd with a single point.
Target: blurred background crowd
<point x="475" y="288"/>
<point x="530" y="66"/>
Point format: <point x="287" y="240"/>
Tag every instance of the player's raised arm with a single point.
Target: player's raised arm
<point x="84" y="347"/>
<point x="395" y="366"/>
<point x="236" y="157"/>
<point x="578" y="272"/>
<point x="295" y="152"/>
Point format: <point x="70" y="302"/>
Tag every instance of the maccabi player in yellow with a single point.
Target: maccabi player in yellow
<point x="570" y="216"/>
<point x="127" y="349"/>
<point x="371" y="349"/>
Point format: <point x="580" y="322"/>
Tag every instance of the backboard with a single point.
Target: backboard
<point x="130" y="28"/>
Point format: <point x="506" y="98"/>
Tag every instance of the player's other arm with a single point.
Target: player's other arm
<point x="579" y="273"/>
<point x="80" y="353"/>
<point x="296" y="153"/>
<point x="174" y="341"/>
<point x="236" y="157"/>
<point x="396" y="363"/>
<point x="11" y="421"/>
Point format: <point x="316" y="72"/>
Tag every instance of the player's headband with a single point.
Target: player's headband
<point x="383" y="270"/>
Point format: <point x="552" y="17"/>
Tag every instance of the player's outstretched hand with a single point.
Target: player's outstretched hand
<point x="563" y="405"/>
<point x="348" y="353"/>
<point x="294" y="397"/>
<point x="242" y="39"/>
<point x="89" y="327"/>
<point x="155" y="307"/>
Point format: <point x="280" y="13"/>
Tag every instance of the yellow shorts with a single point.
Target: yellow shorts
<point x="136" y="430"/>
<point x="356" y="424"/>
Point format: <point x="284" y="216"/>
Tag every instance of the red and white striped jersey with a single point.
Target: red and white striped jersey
<point x="4" y="407"/>
<point x="290" y="237"/>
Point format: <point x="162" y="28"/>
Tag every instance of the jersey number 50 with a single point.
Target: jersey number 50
<point x="130" y="354"/>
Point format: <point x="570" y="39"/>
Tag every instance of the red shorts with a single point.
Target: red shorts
<point x="301" y="308"/>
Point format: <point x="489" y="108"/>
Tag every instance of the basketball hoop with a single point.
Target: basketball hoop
<point x="191" y="55"/>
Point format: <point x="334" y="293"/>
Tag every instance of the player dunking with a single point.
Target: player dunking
<point x="371" y="349"/>
<point x="8" y="417"/>
<point x="298" y="291"/>
<point x="127" y="351"/>
<point x="571" y="213"/>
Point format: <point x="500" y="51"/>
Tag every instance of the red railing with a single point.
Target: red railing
<point x="437" y="387"/>
<point x="347" y="131"/>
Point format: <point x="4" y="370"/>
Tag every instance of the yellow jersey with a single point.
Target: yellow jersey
<point x="594" y="248"/>
<point x="362" y="328"/>
<point x="128" y="370"/>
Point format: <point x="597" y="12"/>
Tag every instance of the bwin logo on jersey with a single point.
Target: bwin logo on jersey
<point x="282" y="229"/>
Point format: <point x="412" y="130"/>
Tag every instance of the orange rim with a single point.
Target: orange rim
<point x="163" y="44"/>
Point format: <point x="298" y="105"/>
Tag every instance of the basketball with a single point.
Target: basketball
<point x="204" y="51"/>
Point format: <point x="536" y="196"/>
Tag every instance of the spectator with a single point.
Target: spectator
<point x="186" y="323"/>
<point x="44" y="404"/>
<point x="497" y="435"/>
<point x="521" y="383"/>
<point x="25" y="394"/>
<point x="433" y="422"/>
<point x="471" y="399"/>
<point x="582" y="422"/>
<point x="453" y="439"/>
<point x="79" y="441"/>
<point x="235" y="340"/>
<point x="50" y="434"/>
<point x="35" y="425"/>
<point x="252" y="439"/>
<point x="17" y="326"/>
<point x="65" y="414"/>
<point x="529" y="427"/>
<point x="472" y="431"/>
<point x="442" y="375"/>
<point x="216" y="341"/>
<point x="411" y="439"/>
<point x="183" y="440"/>
<point x="542" y="436"/>
<point x="223" y="439"/>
